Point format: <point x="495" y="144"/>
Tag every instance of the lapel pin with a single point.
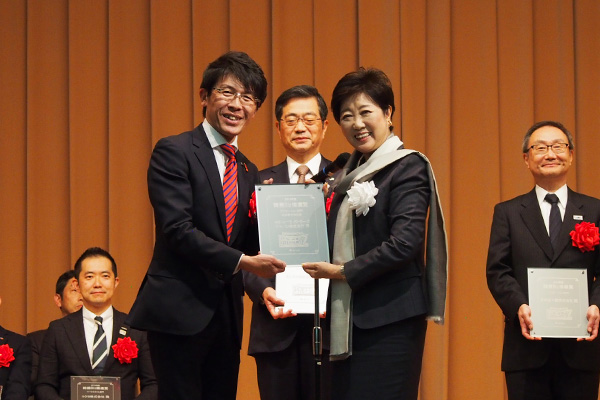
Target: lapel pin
<point x="578" y="217"/>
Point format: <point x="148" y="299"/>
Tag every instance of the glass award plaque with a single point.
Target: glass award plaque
<point x="292" y="227"/>
<point x="558" y="298"/>
<point x="95" y="387"/>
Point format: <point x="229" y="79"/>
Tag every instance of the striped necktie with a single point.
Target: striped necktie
<point x="230" y="188"/>
<point x="100" y="349"/>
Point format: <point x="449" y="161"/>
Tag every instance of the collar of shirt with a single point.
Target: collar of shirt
<point x="90" y="328"/>
<point x="313" y="167"/>
<point x="562" y="193"/>
<point x="216" y="140"/>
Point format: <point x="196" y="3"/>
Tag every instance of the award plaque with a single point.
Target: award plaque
<point x="95" y="387"/>
<point x="558" y="298"/>
<point x="292" y="227"/>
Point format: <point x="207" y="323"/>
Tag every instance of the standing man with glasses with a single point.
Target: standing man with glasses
<point x="533" y="230"/>
<point x="281" y="343"/>
<point x="200" y="185"/>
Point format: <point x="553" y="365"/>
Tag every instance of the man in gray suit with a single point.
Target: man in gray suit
<point x="281" y="341"/>
<point x="533" y="230"/>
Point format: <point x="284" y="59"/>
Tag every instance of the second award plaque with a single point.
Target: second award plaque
<point x="558" y="298"/>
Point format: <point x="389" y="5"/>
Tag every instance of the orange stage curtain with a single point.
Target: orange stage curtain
<point x="88" y="87"/>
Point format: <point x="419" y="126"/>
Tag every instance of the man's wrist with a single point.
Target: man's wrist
<point x="343" y="272"/>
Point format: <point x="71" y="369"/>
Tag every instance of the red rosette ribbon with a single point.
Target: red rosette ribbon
<point x="125" y="350"/>
<point x="252" y="207"/>
<point x="328" y="203"/>
<point x="6" y="355"/>
<point x="585" y="236"/>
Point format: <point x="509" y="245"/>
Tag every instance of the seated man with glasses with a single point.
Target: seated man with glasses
<point x="281" y="343"/>
<point x="200" y="186"/>
<point x="533" y="230"/>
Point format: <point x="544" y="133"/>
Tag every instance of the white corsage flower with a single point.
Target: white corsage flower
<point x="361" y="196"/>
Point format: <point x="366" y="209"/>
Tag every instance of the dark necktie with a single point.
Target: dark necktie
<point x="555" y="221"/>
<point x="302" y="170"/>
<point x="100" y="349"/>
<point x="230" y="188"/>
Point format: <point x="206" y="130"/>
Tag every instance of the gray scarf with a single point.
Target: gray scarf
<point x="436" y="265"/>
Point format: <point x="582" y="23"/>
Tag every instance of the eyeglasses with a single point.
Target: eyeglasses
<point x="245" y="98"/>
<point x="557" y="148"/>
<point x="308" y="120"/>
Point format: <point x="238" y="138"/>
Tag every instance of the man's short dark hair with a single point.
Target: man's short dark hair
<point x="300" y="92"/>
<point x="541" y="124"/>
<point x="240" y="66"/>
<point x="91" y="253"/>
<point x="62" y="281"/>
<point x="371" y="82"/>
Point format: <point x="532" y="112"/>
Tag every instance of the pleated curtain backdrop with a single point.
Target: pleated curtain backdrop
<point x="88" y="86"/>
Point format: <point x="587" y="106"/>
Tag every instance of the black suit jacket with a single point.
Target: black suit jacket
<point x="15" y="380"/>
<point x="268" y="334"/>
<point x="193" y="264"/>
<point x="64" y="354"/>
<point x="387" y="274"/>
<point x="35" y="339"/>
<point x="519" y="240"/>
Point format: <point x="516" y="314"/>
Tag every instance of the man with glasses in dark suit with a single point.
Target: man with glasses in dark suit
<point x="281" y="342"/>
<point x="533" y="230"/>
<point x="200" y="186"/>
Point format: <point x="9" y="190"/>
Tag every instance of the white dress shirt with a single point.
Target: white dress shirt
<point x="90" y="328"/>
<point x="313" y="167"/>
<point x="216" y="140"/>
<point x="562" y="195"/>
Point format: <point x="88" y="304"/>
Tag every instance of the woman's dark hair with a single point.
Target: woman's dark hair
<point x="372" y="82"/>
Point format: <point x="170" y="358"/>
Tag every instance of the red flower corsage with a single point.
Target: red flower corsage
<point x="6" y="355"/>
<point x="252" y="207"/>
<point x="328" y="204"/>
<point x="585" y="236"/>
<point x="125" y="350"/>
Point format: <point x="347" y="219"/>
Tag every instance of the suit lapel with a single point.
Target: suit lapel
<point x="324" y="162"/>
<point x="280" y="173"/>
<point x="532" y="218"/>
<point x="574" y="207"/>
<point x="76" y="335"/>
<point x="206" y="158"/>
<point x="118" y="322"/>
